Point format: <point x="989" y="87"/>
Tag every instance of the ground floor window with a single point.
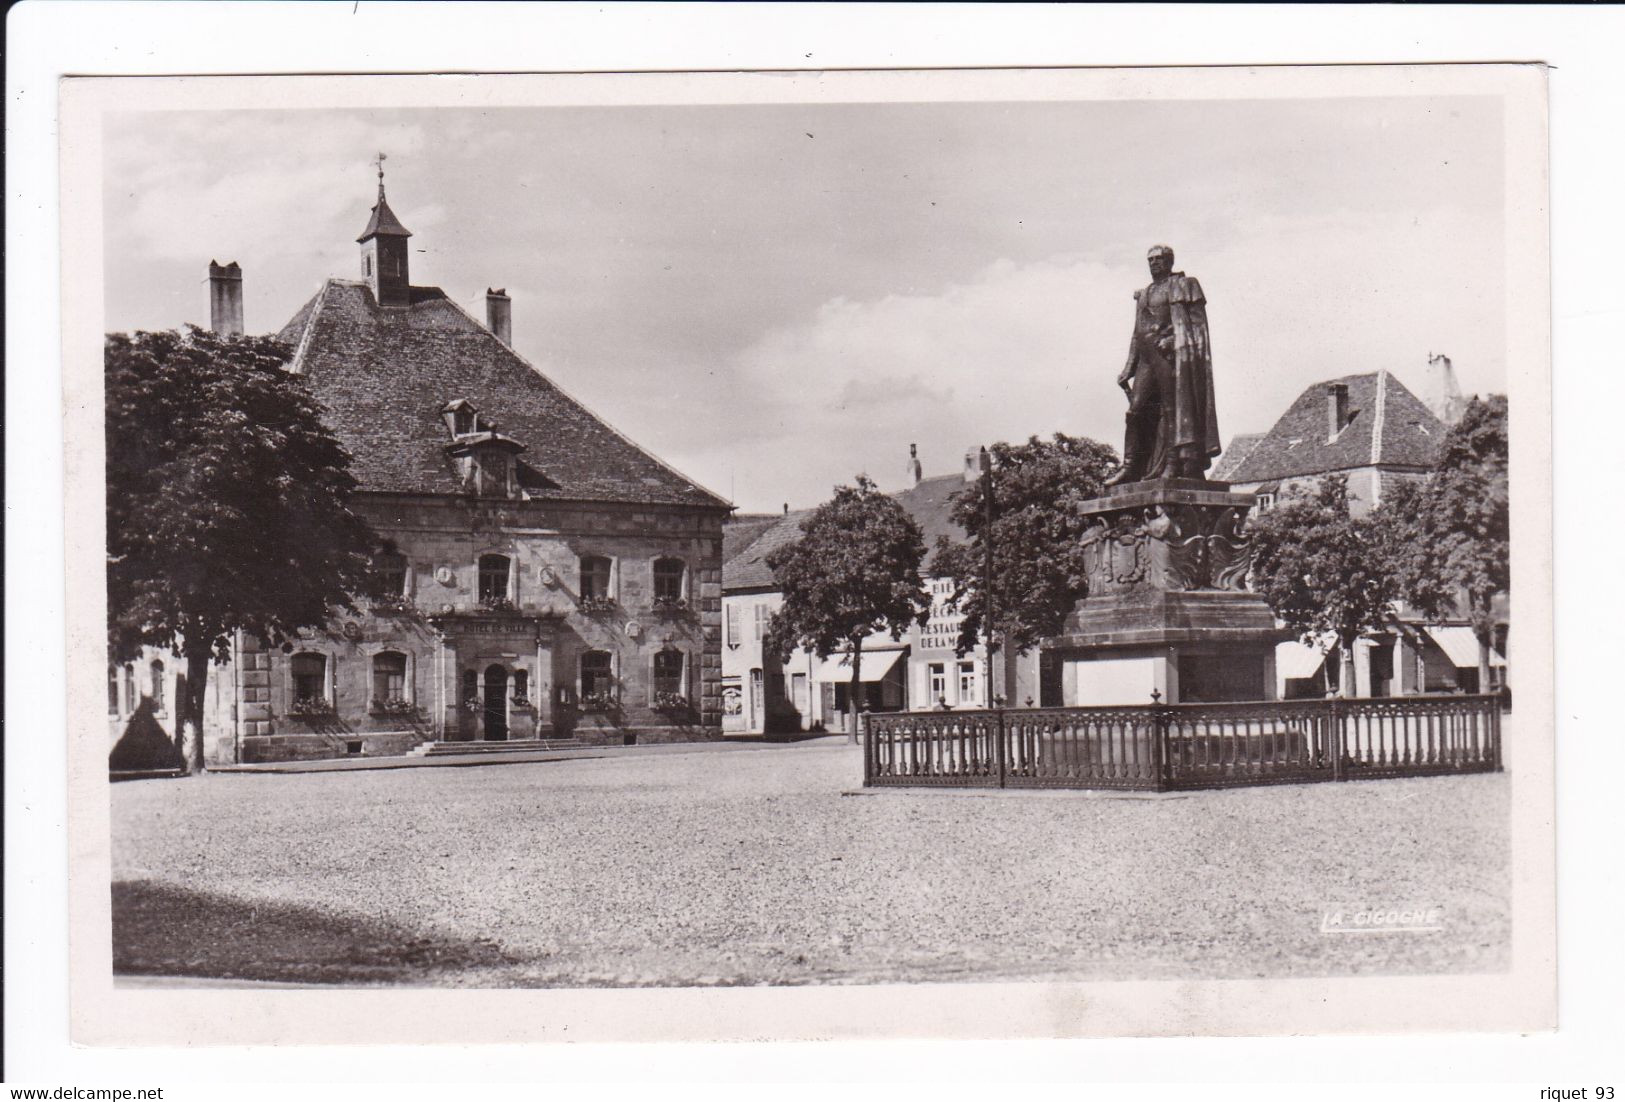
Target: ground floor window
<point x="521" y="687"/>
<point x="129" y="688"/>
<point x="157" y="685"/>
<point x="937" y="677"/>
<point x="112" y="690"/>
<point x="388" y="680"/>
<point x="597" y="678"/>
<point x="669" y="673"/>
<point x="309" y="679"/>
<point x="969" y="688"/>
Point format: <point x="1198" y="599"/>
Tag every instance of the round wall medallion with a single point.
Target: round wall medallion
<point x="352" y="630"/>
<point x="447" y="608"/>
<point x="443" y="575"/>
<point x="633" y="628"/>
<point x="549" y="577"/>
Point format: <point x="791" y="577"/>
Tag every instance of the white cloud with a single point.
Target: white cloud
<point x="1031" y="349"/>
<point x="1014" y="350"/>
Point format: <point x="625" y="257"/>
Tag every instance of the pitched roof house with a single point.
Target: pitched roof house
<point x="920" y="670"/>
<point x="1368" y="428"/>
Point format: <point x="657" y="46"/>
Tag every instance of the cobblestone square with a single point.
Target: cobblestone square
<point x="713" y="866"/>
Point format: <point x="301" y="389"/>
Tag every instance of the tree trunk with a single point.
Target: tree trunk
<point x="853" y="689"/>
<point x="1484" y="632"/>
<point x="191" y="711"/>
<point x="1346" y="649"/>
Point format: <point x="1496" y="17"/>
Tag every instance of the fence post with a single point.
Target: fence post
<point x="1160" y="722"/>
<point x="998" y="744"/>
<point x="1335" y="733"/>
<point x="870" y="767"/>
<point x="1495" y="729"/>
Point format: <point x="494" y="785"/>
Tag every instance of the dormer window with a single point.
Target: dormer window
<point x="461" y="418"/>
<point x="487" y="461"/>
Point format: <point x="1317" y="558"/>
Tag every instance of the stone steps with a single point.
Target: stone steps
<point x="512" y="746"/>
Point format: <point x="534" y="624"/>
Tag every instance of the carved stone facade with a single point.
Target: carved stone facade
<point x="519" y="659"/>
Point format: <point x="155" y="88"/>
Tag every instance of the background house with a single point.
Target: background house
<point x="918" y="672"/>
<point x="1374" y="431"/>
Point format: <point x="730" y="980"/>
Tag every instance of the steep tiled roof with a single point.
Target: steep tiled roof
<point x="739" y="532"/>
<point x="383" y="377"/>
<point x="1240" y="447"/>
<point x="928" y="502"/>
<point x="748" y="568"/>
<point x="1388" y="427"/>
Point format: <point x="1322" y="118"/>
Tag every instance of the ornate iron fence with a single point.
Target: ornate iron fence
<point x="1163" y="747"/>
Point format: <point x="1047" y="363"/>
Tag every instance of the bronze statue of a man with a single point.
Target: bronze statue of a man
<point x="1173" y="431"/>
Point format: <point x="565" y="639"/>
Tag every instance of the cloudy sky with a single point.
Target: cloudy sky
<point x="774" y="298"/>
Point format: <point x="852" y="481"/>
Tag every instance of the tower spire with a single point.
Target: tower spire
<point x="384" y="260"/>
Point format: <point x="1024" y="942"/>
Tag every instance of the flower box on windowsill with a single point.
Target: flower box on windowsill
<point x="394" y="706"/>
<point x="671" y="703"/>
<point x="520" y="702"/>
<point x="497" y="604"/>
<point x="311" y="709"/>
<point x="598" y="702"/>
<point x="670" y="606"/>
<point x="596" y="604"/>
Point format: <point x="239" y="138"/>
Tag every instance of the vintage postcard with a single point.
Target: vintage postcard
<point x="716" y="556"/>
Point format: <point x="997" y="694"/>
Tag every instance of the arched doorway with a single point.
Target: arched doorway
<point x="496" y="703"/>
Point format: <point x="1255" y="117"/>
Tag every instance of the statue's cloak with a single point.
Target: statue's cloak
<point x="1196" y="419"/>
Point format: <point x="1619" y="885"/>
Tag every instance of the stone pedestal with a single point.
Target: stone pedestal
<point x="1167" y="611"/>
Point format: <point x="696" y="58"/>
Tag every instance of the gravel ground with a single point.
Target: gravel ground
<point x="733" y="868"/>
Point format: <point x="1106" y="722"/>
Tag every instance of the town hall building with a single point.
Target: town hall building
<point x="544" y="577"/>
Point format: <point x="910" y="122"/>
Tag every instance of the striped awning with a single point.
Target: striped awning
<point x="876" y="664"/>
<point x="1462" y="646"/>
<point x="1294" y="659"/>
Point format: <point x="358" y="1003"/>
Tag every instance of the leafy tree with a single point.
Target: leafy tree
<point x="1037" y="565"/>
<point x="1324" y="571"/>
<point x="1454" y="533"/>
<point x="854" y="572"/>
<point x="227" y="503"/>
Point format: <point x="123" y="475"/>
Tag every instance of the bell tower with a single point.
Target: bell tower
<point x="384" y="255"/>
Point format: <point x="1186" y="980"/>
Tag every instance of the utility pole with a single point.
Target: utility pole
<point x="1000" y="762"/>
<point x="987" y="566"/>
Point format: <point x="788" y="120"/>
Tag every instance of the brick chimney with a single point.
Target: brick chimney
<point x="499" y="314"/>
<point x="1337" y="408"/>
<point x="226" y="299"/>
<point x="913" y="465"/>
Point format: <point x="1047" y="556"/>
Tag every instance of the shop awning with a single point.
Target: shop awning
<point x="1294" y="659"/>
<point x="1462" y="647"/>
<point x="837" y="668"/>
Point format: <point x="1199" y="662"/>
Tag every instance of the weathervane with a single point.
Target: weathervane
<point x="380" y="163"/>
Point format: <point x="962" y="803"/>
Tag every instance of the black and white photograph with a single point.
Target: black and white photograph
<point x="878" y="535"/>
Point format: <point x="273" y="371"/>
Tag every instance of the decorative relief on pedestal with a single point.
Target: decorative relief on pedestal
<point x="1206" y="548"/>
<point x="1178" y="547"/>
<point x="1115" y="553"/>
